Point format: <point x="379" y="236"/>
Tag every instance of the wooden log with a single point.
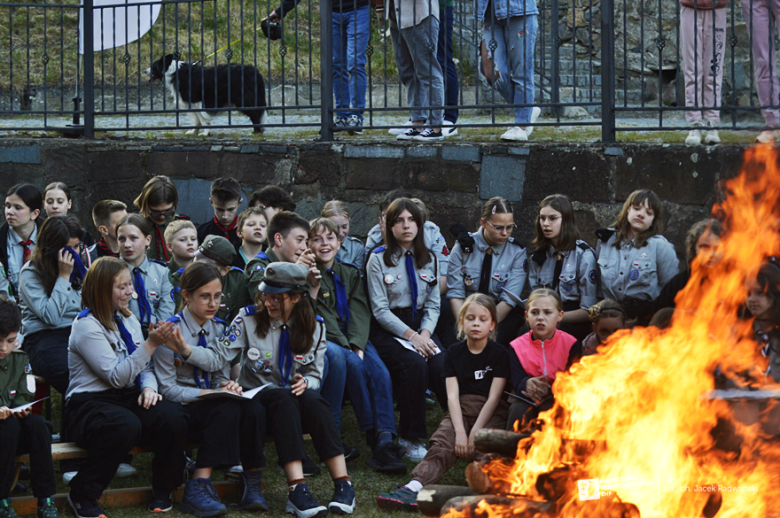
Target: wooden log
<point x="498" y="441"/>
<point x="481" y="482"/>
<point x="559" y="483"/>
<point x="431" y="498"/>
<point x="469" y="506"/>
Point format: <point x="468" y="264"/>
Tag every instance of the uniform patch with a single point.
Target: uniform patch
<point x="633" y="275"/>
<point x="592" y="276"/>
<point x="299" y="358"/>
<point x="232" y="338"/>
<point x="268" y="354"/>
<point x="388" y="279"/>
<point x="28" y="369"/>
<point x="237" y="332"/>
<point x="444" y="251"/>
<point x="468" y="281"/>
<point x="257" y="268"/>
<point x="567" y="286"/>
<point x="253" y="354"/>
<point x="13" y="393"/>
<point x="31" y="383"/>
<point x="238" y="320"/>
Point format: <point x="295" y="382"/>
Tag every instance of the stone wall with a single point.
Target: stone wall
<point x="454" y="180"/>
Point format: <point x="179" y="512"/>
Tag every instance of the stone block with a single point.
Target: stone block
<point x="373" y="152"/>
<point x="430" y="175"/>
<point x="64" y="164"/>
<point x="319" y="165"/>
<point x="118" y="164"/>
<point x="252" y="170"/>
<point x="20" y="155"/>
<point x="201" y="164"/>
<point x="461" y="153"/>
<point x="502" y="176"/>
<point x="367" y="173"/>
<point x="580" y="173"/>
<point x="422" y="152"/>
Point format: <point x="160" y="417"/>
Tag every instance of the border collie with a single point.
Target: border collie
<point x="205" y="88"/>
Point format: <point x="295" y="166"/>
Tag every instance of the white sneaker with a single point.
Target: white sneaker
<point x="415" y="450"/>
<point x="125" y="470"/>
<point x="693" y="138"/>
<point x="516" y="133"/>
<point x="236" y="469"/>
<point x="768" y="136"/>
<point x="448" y="129"/>
<point x="398" y="131"/>
<point x="68" y="476"/>
<point x="535" y="112"/>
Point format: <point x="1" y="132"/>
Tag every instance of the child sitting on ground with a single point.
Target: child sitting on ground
<point x="538" y="356"/>
<point x="476" y="371"/>
<point x="181" y="240"/>
<point x="606" y="316"/>
<point x="21" y="432"/>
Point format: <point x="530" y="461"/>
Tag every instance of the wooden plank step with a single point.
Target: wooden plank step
<point x="28" y="505"/>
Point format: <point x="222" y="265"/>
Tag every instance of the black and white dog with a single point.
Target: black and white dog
<point x="196" y="87"/>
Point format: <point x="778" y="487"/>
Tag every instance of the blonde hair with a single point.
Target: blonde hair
<point x="606" y="308"/>
<point x="544" y="292"/>
<point x="323" y="224"/>
<point x="335" y="208"/>
<point x="97" y="292"/>
<point x="423" y="209"/>
<point x="177" y="225"/>
<point x="479" y="299"/>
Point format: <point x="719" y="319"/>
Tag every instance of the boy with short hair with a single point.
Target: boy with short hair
<point x="105" y="215"/>
<point x="226" y="197"/>
<point x="272" y="199"/>
<point x="181" y="240"/>
<point x="354" y="365"/>
<point x="20" y="431"/>
<point x="252" y="229"/>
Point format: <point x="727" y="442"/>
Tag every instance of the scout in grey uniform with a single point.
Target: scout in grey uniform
<point x="295" y="375"/>
<point x="434" y="241"/>
<point x="352" y="252"/>
<point x="110" y="363"/>
<point x="405" y="301"/>
<point x="151" y="283"/>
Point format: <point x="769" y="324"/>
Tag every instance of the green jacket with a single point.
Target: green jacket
<point x="255" y="270"/>
<point x="15" y="388"/>
<point x="356" y="333"/>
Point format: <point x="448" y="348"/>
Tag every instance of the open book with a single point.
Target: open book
<point x="248" y="394"/>
<point x="409" y="345"/>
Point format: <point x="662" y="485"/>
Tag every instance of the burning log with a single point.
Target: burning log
<point x="559" y="483"/>
<point x="432" y="498"/>
<point x="473" y="506"/>
<point x="481" y="482"/>
<point x="498" y="441"/>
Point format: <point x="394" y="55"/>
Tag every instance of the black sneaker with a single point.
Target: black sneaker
<point x="302" y="504"/>
<point x="85" y="507"/>
<point x="429" y="134"/>
<point x="386" y="460"/>
<point x="408" y="134"/>
<point x="340" y="125"/>
<point x="355" y="125"/>
<point x="46" y="508"/>
<point x="7" y="510"/>
<point x="160" y="503"/>
<point x="310" y="469"/>
<point x="350" y="453"/>
<point x="343" y="501"/>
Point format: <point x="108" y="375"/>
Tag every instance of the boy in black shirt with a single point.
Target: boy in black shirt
<point x="476" y="371"/>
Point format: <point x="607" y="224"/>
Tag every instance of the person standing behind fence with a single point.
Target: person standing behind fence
<point x="702" y="41"/>
<point x="508" y="39"/>
<point x="414" y="28"/>
<point x="761" y="18"/>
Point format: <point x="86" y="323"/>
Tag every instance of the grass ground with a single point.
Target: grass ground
<point x="367" y="483"/>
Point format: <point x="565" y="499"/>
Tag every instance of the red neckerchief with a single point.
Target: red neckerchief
<point x="104" y="250"/>
<point x="159" y="242"/>
<point x="228" y="229"/>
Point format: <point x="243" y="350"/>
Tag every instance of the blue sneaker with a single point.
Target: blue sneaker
<point x="303" y="505"/>
<point x="252" y="498"/>
<point x="343" y="501"/>
<point x="46" y="508"/>
<point x="201" y="499"/>
<point x="6" y="509"/>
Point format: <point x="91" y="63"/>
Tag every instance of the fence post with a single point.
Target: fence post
<point x="608" y="70"/>
<point x="555" y="53"/>
<point x="89" y="70"/>
<point x="326" y="70"/>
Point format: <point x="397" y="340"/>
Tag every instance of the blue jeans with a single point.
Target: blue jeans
<point x="513" y="59"/>
<point x="450" y="72"/>
<point x="350" y="39"/>
<point x="366" y="382"/>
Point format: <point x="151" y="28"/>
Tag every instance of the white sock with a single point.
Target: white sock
<point x="415" y="486"/>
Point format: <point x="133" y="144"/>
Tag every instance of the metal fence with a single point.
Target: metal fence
<point x="600" y="63"/>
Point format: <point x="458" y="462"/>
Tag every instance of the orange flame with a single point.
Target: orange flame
<point x="643" y="398"/>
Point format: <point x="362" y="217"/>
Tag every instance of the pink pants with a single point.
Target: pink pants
<point x="703" y="60"/>
<point x="763" y="17"/>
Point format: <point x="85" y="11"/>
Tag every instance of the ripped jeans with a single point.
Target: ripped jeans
<point x="510" y="45"/>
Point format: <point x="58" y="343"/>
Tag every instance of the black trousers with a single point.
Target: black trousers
<point x="48" y="352"/>
<point x="29" y="435"/>
<point x="524" y="412"/>
<point x="510" y="328"/>
<point x="290" y="416"/>
<point x="447" y="325"/>
<point x="110" y="424"/>
<point x="412" y="375"/>
<point x="228" y="432"/>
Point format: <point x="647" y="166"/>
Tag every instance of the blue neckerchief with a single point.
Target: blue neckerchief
<point x="79" y="270"/>
<point x="143" y="302"/>
<point x="412" y="280"/>
<point x="285" y="355"/>
<point x="342" y="303"/>
<point x="201" y="343"/>
<point x="127" y="338"/>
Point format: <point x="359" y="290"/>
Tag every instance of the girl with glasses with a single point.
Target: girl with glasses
<point x="227" y="431"/>
<point x="492" y="262"/>
<point x="158" y="202"/>
<point x="564" y="263"/>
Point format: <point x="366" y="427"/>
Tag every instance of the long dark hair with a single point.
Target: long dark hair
<point x="422" y="255"/>
<point x="623" y="225"/>
<point x="195" y="275"/>
<point x="30" y="195"/>
<point x="768" y="279"/>
<point x="569" y="233"/>
<point x="301" y="324"/>
<point x="54" y="234"/>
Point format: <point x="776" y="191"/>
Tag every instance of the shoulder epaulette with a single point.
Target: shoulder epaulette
<point x="250" y="310"/>
<point x="262" y="255"/>
<point x="180" y="271"/>
<point x="217" y="319"/>
<point x="539" y="257"/>
<point x="159" y="262"/>
<point x="237" y="268"/>
<point x="516" y="242"/>
<point x="174" y="319"/>
<point x="84" y="312"/>
<point x="604" y="234"/>
<point x="348" y="264"/>
<point x="319" y="319"/>
<point x="583" y="245"/>
<point x="378" y="249"/>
